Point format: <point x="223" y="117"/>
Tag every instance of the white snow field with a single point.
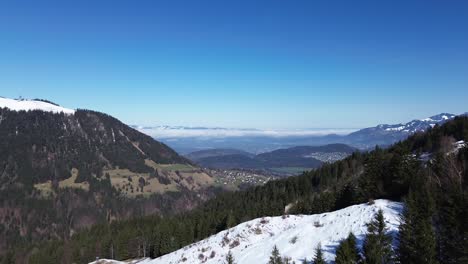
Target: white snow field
<point x="30" y="105"/>
<point x="296" y="236"/>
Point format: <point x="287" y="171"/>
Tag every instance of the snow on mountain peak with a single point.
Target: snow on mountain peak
<point x="418" y="125"/>
<point x="296" y="236"/>
<point x="30" y="105"/>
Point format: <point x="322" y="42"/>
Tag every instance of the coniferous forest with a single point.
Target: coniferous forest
<point x="433" y="226"/>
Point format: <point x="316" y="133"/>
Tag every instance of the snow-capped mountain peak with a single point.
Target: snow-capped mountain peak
<point x="30" y="105"/>
<point x="438" y="118"/>
<point x="417" y="125"/>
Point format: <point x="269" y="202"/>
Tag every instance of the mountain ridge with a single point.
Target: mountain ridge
<point x="187" y="140"/>
<point x="61" y="171"/>
<point x="300" y="158"/>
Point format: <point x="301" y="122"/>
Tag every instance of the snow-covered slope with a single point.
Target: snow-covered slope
<point x="29" y="105"/>
<point x="412" y="126"/>
<point x="295" y="236"/>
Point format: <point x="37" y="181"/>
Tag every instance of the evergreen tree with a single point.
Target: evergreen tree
<point x="377" y="246"/>
<point x="230" y="258"/>
<point x="275" y="257"/>
<point x="451" y="175"/>
<point x="417" y="238"/>
<point x="318" y="258"/>
<point x="230" y="220"/>
<point x="347" y="252"/>
<point x="371" y="182"/>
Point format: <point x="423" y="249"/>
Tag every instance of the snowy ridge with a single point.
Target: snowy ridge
<point x="296" y="236"/>
<point x="418" y="125"/>
<point x="30" y="105"/>
<point x="457" y="146"/>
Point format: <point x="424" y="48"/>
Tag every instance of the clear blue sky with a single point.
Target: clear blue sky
<point x="264" y="64"/>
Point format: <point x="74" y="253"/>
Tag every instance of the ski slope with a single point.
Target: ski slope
<point x="296" y="236"/>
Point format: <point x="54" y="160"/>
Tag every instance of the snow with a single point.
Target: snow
<point x="457" y="146"/>
<point x="417" y="125"/>
<point x="256" y="238"/>
<point x="30" y="105"/>
<point x="399" y="128"/>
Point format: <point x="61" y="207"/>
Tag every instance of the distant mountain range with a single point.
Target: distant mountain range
<point x="190" y="139"/>
<point x="287" y="161"/>
<point x="385" y="134"/>
<point x="207" y="153"/>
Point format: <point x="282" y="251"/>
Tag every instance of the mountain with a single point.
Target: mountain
<point x="385" y="134"/>
<point x="201" y="154"/>
<point x="190" y="139"/>
<point x="63" y="169"/>
<point x="295" y="236"/>
<point x="288" y="161"/>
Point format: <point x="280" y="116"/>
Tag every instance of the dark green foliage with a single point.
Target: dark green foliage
<point x="371" y="183"/>
<point x="275" y="257"/>
<point x="318" y="257"/>
<point x="451" y="207"/>
<point x="377" y="248"/>
<point x="347" y="252"/>
<point x="417" y="237"/>
<point x="52" y="253"/>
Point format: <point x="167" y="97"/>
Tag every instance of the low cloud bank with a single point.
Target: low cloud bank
<point x="186" y="132"/>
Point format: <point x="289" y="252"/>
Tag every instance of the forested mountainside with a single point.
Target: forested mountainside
<point x="429" y="171"/>
<point x="63" y="171"/>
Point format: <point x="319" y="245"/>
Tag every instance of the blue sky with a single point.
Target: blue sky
<point x="261" y="64"/>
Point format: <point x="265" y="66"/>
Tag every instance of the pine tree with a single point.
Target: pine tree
<point x="275" y="257"/>
<point x="377" y="246"/>
<point x="417" y="238"/>
<point x="347" y="252"/>
<point x="452" y="216"/>
<point x="370" y="183"/>
<point x="318" y="258"/>
<point x="230" y="220"/>
<point x="230" y="258"/>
